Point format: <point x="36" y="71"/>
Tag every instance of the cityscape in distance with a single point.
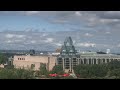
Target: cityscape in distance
<point x="57" y="44"/>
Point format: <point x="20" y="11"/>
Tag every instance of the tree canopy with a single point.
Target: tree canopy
<point x="3" y="58"/>
<point x="58" y="69"/>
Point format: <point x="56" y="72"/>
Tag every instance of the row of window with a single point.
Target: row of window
<point x="21" y="58"/>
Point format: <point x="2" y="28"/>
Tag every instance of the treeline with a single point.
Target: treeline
<point x="13" y="73"/>
<point x="110" y="70"/>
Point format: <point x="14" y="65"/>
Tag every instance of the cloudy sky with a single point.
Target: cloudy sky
<point x="46" y="30"/>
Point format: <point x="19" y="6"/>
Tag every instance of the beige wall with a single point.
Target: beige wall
<point x="1" y="66"/>
<point x="28" y="60"/>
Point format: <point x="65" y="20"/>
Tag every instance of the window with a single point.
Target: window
<point x="18" y="58"/>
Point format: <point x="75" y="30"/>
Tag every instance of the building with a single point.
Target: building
<point x="34" y="61"/>
<point x="69" y="58"/>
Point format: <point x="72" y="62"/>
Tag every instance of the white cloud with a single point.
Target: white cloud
<point x="33" y="41"/>
<point x="31" y="12"/>
<point x="19" y="36"/>
<point x="14" y="36"/>
<point x="118" y="45"/>
<point x="60" y="21"/>
<point x="78" y="13"/>
<point x="86" y="44"/>
<point x="58" y="44"/>
<point x="49" y="40"/>
<point x="88" y="34"/>
<point x="108" y="32"/>
<point x="18" y="40"/>
<point x="45" y="34"/>
<point x="113" y="13"/>
<point x="105" y="21"/>
<point x="9" y="35"/>
<point x="9" y="41"/>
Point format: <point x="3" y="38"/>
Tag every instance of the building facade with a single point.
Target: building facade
<point x="34" y="62"/>
<point x="69" y="58"/>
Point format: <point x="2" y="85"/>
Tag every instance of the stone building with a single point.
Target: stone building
<point x="34" y="61"/>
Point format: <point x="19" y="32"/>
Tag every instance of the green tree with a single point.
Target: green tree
<point x="57" y="69"/>
<point x="98" y="70"/>
<point x="3" y="59"/>
<point x="82" y="70"/>
<point x="90" y="71"/>
<point x="16" y="74"/>
<point x="114" y="65"/>
<point x="43" y="70"/>
<point x="115" y="73"/>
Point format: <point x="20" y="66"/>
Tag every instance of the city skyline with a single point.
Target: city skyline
<point x="46" y="30"/>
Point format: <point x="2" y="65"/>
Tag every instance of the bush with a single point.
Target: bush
<point x="114" y="65"/>
<point x="57" y="69"/>
<point x="90" y="71"/>
<point x="16" y="74"/>
<point x="43" y="70"/>
<point x="115" y="73"/>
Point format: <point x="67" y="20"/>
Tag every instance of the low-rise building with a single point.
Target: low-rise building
<point x="34" y="61"/>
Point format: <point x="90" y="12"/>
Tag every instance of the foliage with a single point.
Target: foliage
<point x="114" y="65"/>
<point x="90" y="71"/>
<point x="16" y="74"/>
<point x="57" y="69"/>
<point x="43" y="70"/>
<point x="3" y="58"/>
<point x="9" y="66"/>
<point x="115" y="73"/>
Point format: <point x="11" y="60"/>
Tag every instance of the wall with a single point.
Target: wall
<point x="28" y="60"/>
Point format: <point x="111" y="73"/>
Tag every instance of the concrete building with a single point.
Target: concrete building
<point x="34" y="61"/>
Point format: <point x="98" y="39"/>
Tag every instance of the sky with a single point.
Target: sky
<point x="47" y="30"/>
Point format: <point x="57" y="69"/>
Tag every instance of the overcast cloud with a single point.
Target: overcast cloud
<point x="46" y="30"/>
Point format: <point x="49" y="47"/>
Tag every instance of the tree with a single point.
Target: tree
<point x="116" y="73"/>
<point x="16" y="74"/>
<point x="3" y="59"/>
<point x="43" y="70"/>
<point x="98" y="70"/>
<point x="90" y="71"/>
<point x="58" y="69"/>
<point x="114" y="65"/>
<point x="82" y="70"/>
